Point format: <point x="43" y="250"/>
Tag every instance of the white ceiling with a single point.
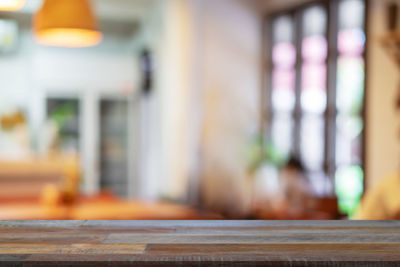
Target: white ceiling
<point x="117" y="10"/>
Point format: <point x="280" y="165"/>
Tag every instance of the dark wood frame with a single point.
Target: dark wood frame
<point x="331" y="7"/>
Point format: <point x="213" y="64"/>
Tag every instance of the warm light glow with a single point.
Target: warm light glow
<point x="11" y="5"/>
<point x="69" y="37"/>
<point x="67" y="23"/>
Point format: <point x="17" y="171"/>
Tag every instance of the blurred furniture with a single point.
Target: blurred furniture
<point x="321" y="208"/>
<point x="199" y="243"/>
<point x="136" y="210"/>
<point x="48" y="189"/>
<point x="104" y="206"/>
<point x="29" y="180"/>
<point x="328" y="206"/>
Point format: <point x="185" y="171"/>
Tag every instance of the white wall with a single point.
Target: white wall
<point x="171" y="123"/>
<point x="175" y="80"/>
<point x="151" y="36"/>
<point x="231" y="67"/>
<point x="15" y="78"/>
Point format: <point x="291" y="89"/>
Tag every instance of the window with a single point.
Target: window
<point x="316" y="94"/>
<point x="65" y="113"/>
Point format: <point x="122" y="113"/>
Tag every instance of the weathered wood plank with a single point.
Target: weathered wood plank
<point x="72" y="248"/>
<point x="197" y="224"/>
<point x="260" y="238"/>
<point x="199" y="243"/>
<point x="278" y="252"/>
<point x="51" y="237"/>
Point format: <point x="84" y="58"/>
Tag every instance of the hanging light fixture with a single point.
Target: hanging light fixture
<point x="67" y="23"/>
<point x="11" y="5"/>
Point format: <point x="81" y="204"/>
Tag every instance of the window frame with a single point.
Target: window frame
<point x="331" y="113"/>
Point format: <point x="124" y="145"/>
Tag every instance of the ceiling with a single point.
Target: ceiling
<point x="115" y="10"/>
<point x="276" y="5"/>
<point x="134" y="10"/>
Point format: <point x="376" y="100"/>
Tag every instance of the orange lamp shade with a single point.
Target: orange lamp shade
<point x="67" y="23"/>
<point x="11" y="5"/>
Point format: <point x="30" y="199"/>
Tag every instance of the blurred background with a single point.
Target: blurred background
<point x="199" y="109"/>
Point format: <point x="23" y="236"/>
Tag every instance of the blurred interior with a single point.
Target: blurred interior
<point x="197" y="109"/>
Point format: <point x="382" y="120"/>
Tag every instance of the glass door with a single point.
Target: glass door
<point x="114" y="146"/>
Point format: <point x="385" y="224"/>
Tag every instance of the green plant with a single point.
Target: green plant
<point x="260" y="152"/>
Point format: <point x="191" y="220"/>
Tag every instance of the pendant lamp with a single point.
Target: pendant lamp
<point x="66" y="23"/>
<point x="11" y="5"/>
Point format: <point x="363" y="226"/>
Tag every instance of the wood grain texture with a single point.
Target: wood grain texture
<point x="86" y="249"/>
<point x="199" y="243"/>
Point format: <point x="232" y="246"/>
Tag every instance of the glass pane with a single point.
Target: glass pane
<point x="349" y="187"/>
<point x="113" y="146"/>
<point x="282" y="134"/>
<point x="283" y="92"/>
<point x="348" y="140"/>
<point x="284" y="55"/>
<point x="283" y="30"/>
<point x="351" y="14"/>
<point x="350" y="92"/>
<point x="312" y="142"/>
<point x="314" y="54"/>
<point x="351" y="42"/>
<point x="65" y="114"/>
<point x="313" y="96"/>
<point x="314" y="21"/>
<point x="314" y="49"/>
<point x="284" y="60"/>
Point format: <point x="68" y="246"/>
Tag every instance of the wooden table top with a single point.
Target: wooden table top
<point x="199" y="243"/>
